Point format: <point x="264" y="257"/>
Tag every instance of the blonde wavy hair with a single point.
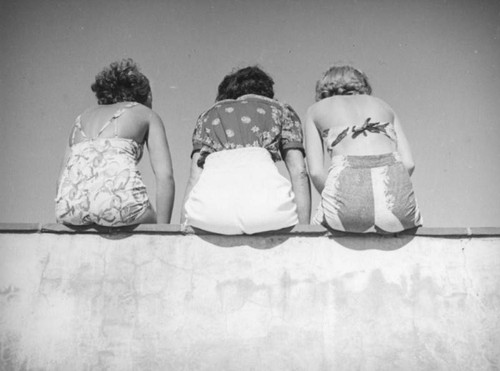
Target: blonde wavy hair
<point x="342" y="80"/>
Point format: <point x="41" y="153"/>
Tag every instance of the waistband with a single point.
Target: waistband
<point x="239" y="156"/>
<point x="369" y="161"/>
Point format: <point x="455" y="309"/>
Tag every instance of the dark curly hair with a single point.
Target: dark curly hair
<point x="248" y="80"/>
<point x="342" y="80"/>
<point x="121" y="82"/>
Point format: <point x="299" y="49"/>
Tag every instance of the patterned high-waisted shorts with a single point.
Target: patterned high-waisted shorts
<point x="368" y="194"/>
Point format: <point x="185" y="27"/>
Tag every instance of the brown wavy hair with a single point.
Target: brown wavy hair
<point x="342" y="80"/>
<point x="121" y="81"/>
<point x="248" y="80"/>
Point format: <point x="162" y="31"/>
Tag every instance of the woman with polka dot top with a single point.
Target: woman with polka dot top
<point x="234" y="186"/>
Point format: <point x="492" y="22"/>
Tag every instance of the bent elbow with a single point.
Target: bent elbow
<point x="315" y="174"/>
<point x="166" y="179"/>
<point x="299" y="173"/>
<point x="318" y="181"/>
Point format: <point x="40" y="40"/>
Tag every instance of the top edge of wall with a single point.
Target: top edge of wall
<point x="176" y="229"/>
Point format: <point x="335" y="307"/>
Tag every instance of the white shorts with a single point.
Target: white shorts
<point x="240" y="191"/>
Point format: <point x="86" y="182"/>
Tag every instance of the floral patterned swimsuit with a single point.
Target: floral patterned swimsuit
<point x="100" y="183"/>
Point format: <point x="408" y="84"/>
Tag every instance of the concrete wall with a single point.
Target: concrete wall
<point x="156" y="299"/>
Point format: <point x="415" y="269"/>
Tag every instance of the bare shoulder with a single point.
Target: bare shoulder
<point x="311" y="109"/>
<point x="378" y="101"/>
<point x="145" y="114"/>
<point x="141" y="109"/>
<point x="93" y="111"/>
<point x="321" y="105"/>
<point x="153" y="116"/>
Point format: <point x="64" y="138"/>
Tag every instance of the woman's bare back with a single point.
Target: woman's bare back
<point x="355" y="125"/>
<point x="132" y="124"/>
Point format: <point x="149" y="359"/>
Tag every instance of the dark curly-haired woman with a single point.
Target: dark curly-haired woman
<point x="234" y="186"/>
<point x="99" y="182"/>
<point x="368" y="187"/>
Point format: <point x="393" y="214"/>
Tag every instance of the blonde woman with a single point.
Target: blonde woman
<point x="368" y="186"/>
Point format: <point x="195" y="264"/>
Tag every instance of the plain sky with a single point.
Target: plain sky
<point x="437" y="63"/>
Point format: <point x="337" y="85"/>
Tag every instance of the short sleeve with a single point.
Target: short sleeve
<point x="202" y="138"/>
<point x="197" y="139"/>
<point x="291" y="131"/>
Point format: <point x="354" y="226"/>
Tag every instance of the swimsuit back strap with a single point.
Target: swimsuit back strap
<point x="117" y="114"/>
<point x="78" y="126"/>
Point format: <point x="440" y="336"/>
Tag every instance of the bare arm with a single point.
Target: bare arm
<point x="161" y="163"/>
<point x="193" y="179"/>
<point x="314" y="152"/>
<point x="294" y="160"/>
<point x="403" y="146"/>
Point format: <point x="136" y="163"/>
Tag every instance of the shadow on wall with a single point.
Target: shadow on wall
<point x="259" y="241"/>
<point x="109" y="233"/>
<point x="373" y="241"/>
<point x="353" y="241"/>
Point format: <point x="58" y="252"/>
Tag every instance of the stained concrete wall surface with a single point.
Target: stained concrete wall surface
<point x="201" y="302"/>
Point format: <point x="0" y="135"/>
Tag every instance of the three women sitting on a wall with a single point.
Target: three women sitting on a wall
<point x="368" y="186"/>
<point x="234" y="185"/>
<point x="99" y="182"/>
